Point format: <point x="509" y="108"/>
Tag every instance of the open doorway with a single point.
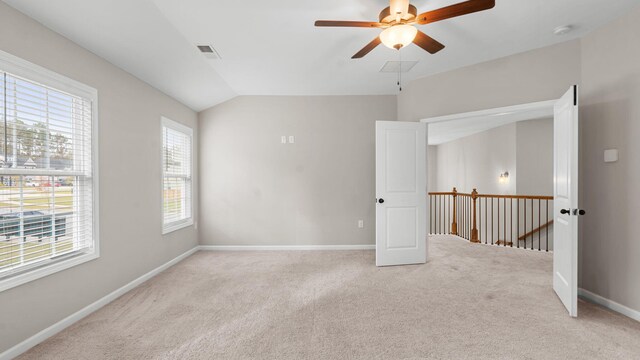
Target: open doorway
<point x="491" y="176"/>
<point x="406" y="212"/>
<point x="495" y="148"/>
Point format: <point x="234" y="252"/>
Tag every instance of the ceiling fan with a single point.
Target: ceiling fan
<point x="399" y="19"/>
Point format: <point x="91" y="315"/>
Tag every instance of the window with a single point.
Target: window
<point x="46" y="176"/>
<point x="176" y="176"/>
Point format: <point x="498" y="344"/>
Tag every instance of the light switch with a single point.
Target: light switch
<point x="610" y="155"/>
<point x="291" y="139"/>
<point x="360" y="224"/>
<point x="283" y="139"/>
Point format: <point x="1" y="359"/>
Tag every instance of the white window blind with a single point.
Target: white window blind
<point x="176" y="175"/>
<point x="46" y="197"/>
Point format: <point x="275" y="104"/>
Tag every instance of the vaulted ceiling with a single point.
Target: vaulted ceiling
<point x="272" y="47"/>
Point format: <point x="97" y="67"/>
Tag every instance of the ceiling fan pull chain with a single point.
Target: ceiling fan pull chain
<point x="399" y="70"/>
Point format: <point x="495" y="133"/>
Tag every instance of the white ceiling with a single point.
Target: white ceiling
<point x="453" y="127"/>
<point x="272" y="47"/>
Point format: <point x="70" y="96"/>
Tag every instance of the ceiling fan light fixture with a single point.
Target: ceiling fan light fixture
<point x="398" y="36"/>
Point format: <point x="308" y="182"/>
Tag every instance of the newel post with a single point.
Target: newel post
<point x="474" y="230"/>
<point x="454" y="224"/>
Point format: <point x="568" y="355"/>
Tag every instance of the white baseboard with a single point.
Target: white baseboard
<point x="284" y="247"/>
<point x="609" y="304"/>
<point x="77" y="316"/>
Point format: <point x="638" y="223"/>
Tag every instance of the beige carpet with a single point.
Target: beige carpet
<point x="468" y="302"/>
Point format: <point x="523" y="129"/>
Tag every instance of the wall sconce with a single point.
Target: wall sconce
<point x="504" y="178"/>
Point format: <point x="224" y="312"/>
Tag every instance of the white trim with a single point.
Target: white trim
<point x="46" y="268"/>
<point x="39" y="172"/>
<point x="609" y="304"/>
<point x="493" y="112"/>
<point x="95" y="174"/>
<point x="77" y="316"/>
<point x="52" y="330"/>
<point x="284" y="247"/>
<point x="176" y="225"/>
<point x="172" y="124"/>
<point x="496" y="246"/>
<point x="35" y="73"/>
<point x="182" y="223"/>
<point x="44" y="76"/>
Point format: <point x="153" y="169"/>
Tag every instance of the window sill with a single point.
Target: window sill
<point x="46" y="270"/>
<point x="175" y="226"/>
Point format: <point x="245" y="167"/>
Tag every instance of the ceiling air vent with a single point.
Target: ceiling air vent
<point x="398" y="66"/>
<point x="209" y="52"/>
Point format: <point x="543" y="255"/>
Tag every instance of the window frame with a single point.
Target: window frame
<point x="186" y="130"/>
<point x="25" y="69"/>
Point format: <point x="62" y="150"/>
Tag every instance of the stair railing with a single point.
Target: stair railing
<point x="521" y="221"/>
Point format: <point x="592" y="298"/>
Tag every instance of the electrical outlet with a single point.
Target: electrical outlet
<point x="291" y="139"/>
<point x="283" y="139"/>
<point x="360" y="224"/>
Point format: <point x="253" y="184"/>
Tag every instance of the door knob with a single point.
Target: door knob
<point x="582" y="212"/>
<point x="380" y="201"/>
<point x="565" y="211"/>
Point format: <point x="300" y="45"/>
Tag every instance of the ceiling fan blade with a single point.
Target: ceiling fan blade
<point x="427" y="42"/>
<point x="367" y="49"/>
<point x="399" y="6"/>
<point x="339" y="23"/>
<point x="459" y="9"/>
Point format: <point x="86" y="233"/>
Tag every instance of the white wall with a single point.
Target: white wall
<point x="534" y="164"/>
<point x="537" y="75"/>
<point x="432" y="170"/>
<point x="524" y="149"/>
<point x="257" y="191"/>
<point x="534" y="157"/>
<point x="606" y="63"/>
<point x="476" y="161"/>
<point x="321" y="185"/>
<point x="130" y="175"/>
<point x="610" y="193"/>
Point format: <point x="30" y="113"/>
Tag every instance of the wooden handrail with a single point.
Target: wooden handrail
<point x="527" y="197"/>
<point x="541" y="227"/>
<point x="449" y="193"/>
<point x="485" y="217"/>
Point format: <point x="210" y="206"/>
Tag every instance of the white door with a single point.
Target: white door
<point x="565" y="192"/>
<point x="401" y="193"/>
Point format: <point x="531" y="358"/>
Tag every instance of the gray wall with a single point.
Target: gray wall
<point x="537" y="75"/>
<point x="524" y="149"/>
<point x="257" y="191"/>
<point x="534" y="157"/>
<point x="321" y="185"/>
<point x="476" y="161"/>
<point x="606" y="62"/>
<point x="610" y="118"/>
<point x="130" y="203"/>
<point x="432" y="171"/>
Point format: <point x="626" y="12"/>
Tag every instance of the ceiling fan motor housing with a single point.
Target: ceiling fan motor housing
<point x="386" y="17"/>
<point x="398" y="22"/>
